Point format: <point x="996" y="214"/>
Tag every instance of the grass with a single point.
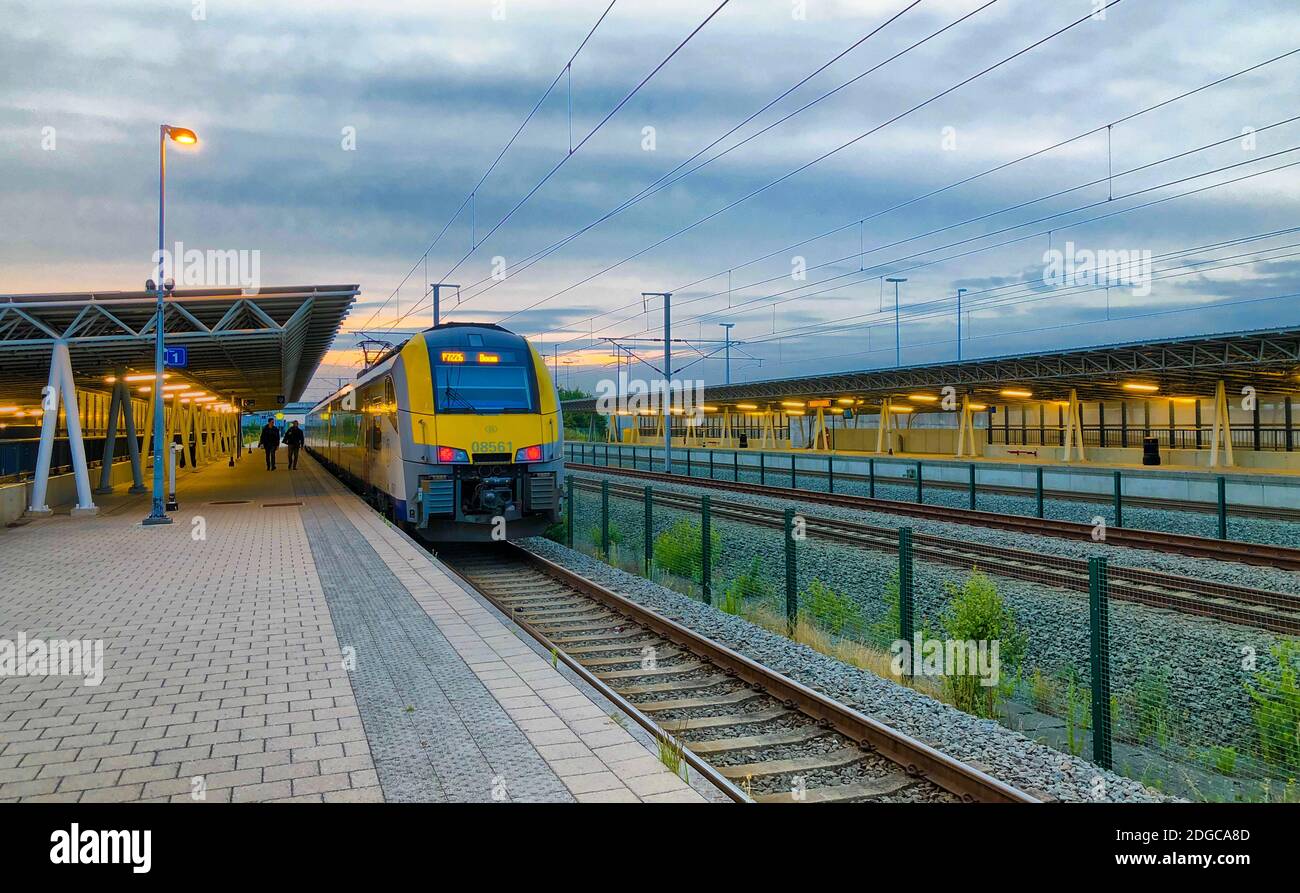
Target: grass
<point x="1275" y="696"/>
<point x="671" y="755"/>
<point x="829" y="609"/>
<point x="679" y="549"/>
<point x="857" y="654"/>
<point x="748" y="587"/>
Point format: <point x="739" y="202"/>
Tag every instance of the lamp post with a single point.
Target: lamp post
<point x="898" y="339"/>
<point x="186" y="137"/>
<point x="960" y="292"/>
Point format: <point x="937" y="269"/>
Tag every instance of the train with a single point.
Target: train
<point x="455" y="434"/>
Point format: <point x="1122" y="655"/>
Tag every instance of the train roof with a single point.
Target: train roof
<point x="448" y="334"/>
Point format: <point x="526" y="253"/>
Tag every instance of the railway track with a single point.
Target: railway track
<point x="765" y="736"/>
<point x="1280" y="557"/>
<point x="1273" y="611"/>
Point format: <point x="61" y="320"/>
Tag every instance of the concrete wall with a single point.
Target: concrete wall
<point x="62" y="490"/>
<point x="1244" y="459"/>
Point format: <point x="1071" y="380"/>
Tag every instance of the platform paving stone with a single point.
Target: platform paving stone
<point x="225" y="639"/>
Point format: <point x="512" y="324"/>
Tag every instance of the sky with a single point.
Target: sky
<point x="347" y="142"/>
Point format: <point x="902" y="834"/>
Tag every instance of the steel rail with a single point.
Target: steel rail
<point x="1260" y="608"/>
<point x="1280" y="557"/>
<point x="915" y="756"/>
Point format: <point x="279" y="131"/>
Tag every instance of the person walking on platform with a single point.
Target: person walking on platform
<point x="270" y="442"/>
<point x="293" y="440"/>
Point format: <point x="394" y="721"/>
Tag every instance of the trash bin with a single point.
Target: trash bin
<point x="1150" y="451"/>
<point x="744" y="441"/>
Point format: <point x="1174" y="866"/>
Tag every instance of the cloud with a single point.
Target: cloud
<point x="433" y="92"/>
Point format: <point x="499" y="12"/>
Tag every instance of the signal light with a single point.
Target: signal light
<point x="529" y="454"/>
<point x="447" y="455"/>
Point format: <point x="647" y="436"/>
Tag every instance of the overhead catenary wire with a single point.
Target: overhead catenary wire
<point x="859" y="222"/>
<point x="672" y="177"/>
<point x="576" y="148"/>
<point x="778" y="336"/>
<point x="806" y="165"/>
<point x="493" y="166"/>
<point x="866" y="273"/>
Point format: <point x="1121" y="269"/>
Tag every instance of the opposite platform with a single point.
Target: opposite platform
<point x="281" y="641"/>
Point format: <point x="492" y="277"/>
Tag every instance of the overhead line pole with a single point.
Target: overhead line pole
<point x="668" y="375"/>
<point x="437" y="295"/>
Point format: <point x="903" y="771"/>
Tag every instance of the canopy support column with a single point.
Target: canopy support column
<point x="1221" y="429"/>
<point x="1073" y="428"/>
<point x="61" y="385"/>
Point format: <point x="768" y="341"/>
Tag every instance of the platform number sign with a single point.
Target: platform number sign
<point x="176" y="357"/>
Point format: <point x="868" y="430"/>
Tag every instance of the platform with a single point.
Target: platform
<point x="282" y="642"/>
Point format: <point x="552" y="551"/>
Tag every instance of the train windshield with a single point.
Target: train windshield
<point x="483" y="389"/>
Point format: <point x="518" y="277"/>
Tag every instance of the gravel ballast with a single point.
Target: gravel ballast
<point x="1195" y="665"/>
<point x="1006" y="754"/>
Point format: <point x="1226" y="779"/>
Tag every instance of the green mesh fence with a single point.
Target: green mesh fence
<point x="1088" y="661"/>
<point x="1205" y="504"/>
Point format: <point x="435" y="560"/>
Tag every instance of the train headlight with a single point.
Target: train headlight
<point x="529" y="454"/>
<point x="448" y="455"/>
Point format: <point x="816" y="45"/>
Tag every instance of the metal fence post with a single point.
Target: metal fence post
<point x="906" y="630"/>
<point x="634" y="461"/>
<point x="649" y="530"/>
<point x="762" y="470"/>
<point x="1038" y="489"/>
<point x="688" y="462"/>
<point x="604" y="519"/>
<point x="570" y="511"/>
<point x="972" y="485"/>
<point x="791" y="575"/>
<point x="830" y="473"/>
<point x="871" y="478"/>
<point x="794" y="478"/>
<point x="735" y="467"/>
<point x="1223" y="507"/>
<point x="1119" y="502"/>
<point x="920" y="498"/>
<point x="1099" y="620"/>
<point x="706" y="551"/>
<point x="710" y="464"/>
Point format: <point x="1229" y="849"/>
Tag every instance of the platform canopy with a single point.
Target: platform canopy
<point x="262" y="345"/>
<point x="1268" y="360"/>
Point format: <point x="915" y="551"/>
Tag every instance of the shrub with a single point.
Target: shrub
<point x="615" y="536"/>
<point x="677" y="549"/>
<point x="749" y="585"/>
<point x="830" y="610"/>
<point x="1276" y="707"/>
<point x="1147" y="703"/>
<point x="885" y="630"/>
<point x="976" y="612"/>
<point x="558" y="531"/>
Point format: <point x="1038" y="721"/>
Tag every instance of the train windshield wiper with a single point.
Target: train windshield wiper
<point x="454" y="394"/>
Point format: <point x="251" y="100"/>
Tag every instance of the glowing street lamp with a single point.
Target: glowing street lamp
<point x="186" y="137"/>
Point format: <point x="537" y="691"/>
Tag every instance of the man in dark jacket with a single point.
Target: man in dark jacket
<point x="270" y="442"/>
<point x="293" y="440"/>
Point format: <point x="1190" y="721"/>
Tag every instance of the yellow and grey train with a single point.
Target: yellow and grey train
<point x="448" y="432"/>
